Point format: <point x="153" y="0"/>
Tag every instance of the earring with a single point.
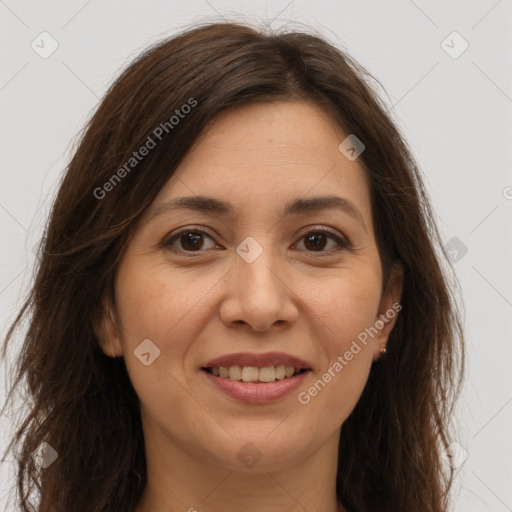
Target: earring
<point x="382" y="351"/>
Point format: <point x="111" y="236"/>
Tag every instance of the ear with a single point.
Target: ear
<point x="389" y="308"/>
<point x="106" y="327"/>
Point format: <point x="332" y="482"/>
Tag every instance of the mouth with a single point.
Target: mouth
<point x="256" y="378"/>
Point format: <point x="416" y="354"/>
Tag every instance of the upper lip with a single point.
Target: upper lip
<point x="259" y="360"/>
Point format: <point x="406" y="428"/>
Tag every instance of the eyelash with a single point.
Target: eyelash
<point x="342" y="244"/>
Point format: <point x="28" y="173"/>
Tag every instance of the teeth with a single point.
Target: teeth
<point x="235" y="372"/>
<point x="280" y="372"/>
<point x="255" y="374"/>
<point x="250" y="373"/>
<point x="267" y="374"/>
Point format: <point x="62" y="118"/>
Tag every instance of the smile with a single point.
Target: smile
<point x="256" y="378"/>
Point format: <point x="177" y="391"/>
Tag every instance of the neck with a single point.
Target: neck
<point x="178" y="481"/>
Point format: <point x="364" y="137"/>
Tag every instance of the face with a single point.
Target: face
<point x="263" y="278"/>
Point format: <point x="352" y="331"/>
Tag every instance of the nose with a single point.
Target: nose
<point x="259" y="295"/>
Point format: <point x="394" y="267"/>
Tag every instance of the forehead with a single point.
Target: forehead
<point x="299" y="133"/>
<point x="270" y="153"/>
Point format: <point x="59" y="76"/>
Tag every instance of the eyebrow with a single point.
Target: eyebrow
<point x="298" y="206"/>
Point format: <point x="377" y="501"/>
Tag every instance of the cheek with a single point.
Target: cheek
<point x="345" y="308"/>
<point x="339" y="388"/>
<point x="346" y="304"/>
<point x="168" y="311"/>
<point x="153" y="304"/>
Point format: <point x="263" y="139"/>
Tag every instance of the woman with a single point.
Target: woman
<point x="240" y="302"/>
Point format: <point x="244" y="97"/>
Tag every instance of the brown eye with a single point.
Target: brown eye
<point x="190" y="240"/>
<point x="316" y="241"/>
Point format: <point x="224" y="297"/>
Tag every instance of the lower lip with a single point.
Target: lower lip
<point x="257" y="393"/>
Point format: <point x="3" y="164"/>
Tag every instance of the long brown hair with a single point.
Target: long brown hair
<point x="82" y="403"/>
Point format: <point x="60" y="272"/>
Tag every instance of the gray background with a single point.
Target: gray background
<point x="455" y="113"/>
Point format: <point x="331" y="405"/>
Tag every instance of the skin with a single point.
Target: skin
<point x="210" y="302"/>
